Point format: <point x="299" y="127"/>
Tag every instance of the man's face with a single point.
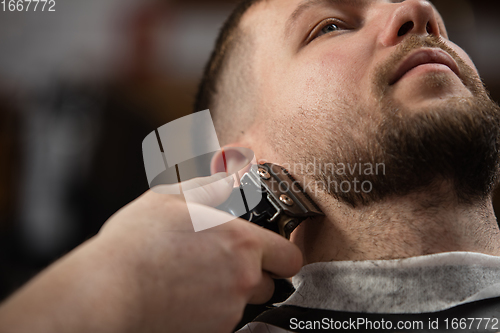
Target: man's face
<point x="334" y="74"/>
<point x="329" y="51"/>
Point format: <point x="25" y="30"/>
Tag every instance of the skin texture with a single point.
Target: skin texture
<point x="147" y="271"/>
<point x="314" y="87"/>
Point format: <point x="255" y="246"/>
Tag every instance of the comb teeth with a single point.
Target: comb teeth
<point x="300" y="188"/>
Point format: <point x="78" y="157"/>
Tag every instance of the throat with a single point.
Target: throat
<point x="399" y="227"/>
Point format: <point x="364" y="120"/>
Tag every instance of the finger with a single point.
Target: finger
<point x="210" y="191"/>
<point x="263" y="291"/>
<point x="277" y="255"/>
<point x="280" y="257"/>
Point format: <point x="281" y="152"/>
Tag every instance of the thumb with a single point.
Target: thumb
<point x="210" y="191"/>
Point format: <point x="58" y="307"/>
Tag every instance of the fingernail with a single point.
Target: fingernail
<point x="230" y="180"/>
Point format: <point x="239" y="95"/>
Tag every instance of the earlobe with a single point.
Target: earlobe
<point x="231" y="159"/>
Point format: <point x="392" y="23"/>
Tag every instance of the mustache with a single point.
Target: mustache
<point x="414" y="42"/>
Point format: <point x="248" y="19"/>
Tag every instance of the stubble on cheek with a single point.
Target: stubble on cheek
<point x="322" y="130"/>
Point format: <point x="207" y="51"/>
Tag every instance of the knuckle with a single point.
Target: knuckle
<point x="247" y="280"/>
<point x="244" y="241"/>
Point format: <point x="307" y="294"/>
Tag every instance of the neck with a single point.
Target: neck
<point x="402" y="227"/>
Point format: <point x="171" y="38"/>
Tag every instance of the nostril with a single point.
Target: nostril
<point x="429" y="28"/>
<point x="405" y="28"/>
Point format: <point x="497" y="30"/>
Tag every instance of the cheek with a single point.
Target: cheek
<point x="340" y="68"/>
<point x="318" y="93"/>
<point x="332" y="77"/>
<point x="345" y="67"/>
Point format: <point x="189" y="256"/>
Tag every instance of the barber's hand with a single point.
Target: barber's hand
<point x="186" y="281"/>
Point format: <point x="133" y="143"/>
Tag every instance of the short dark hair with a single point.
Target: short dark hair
<point x="231" y="42"/>
<point x="223" y="47"/>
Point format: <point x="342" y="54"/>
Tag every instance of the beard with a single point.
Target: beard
<point x="457" y="142"/>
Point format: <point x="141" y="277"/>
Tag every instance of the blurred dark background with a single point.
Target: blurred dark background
<point x="81" y="87"/>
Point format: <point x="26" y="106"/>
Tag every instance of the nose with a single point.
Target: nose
<point x="409" y="17"/>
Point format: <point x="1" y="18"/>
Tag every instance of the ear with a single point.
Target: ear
<point x="232" y="159"/>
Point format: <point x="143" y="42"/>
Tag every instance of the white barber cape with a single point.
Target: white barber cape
<point x="413" y="285"/>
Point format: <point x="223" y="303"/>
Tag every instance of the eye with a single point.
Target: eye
<point x="325" y="27"/>
<point x="328" y="28"/>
